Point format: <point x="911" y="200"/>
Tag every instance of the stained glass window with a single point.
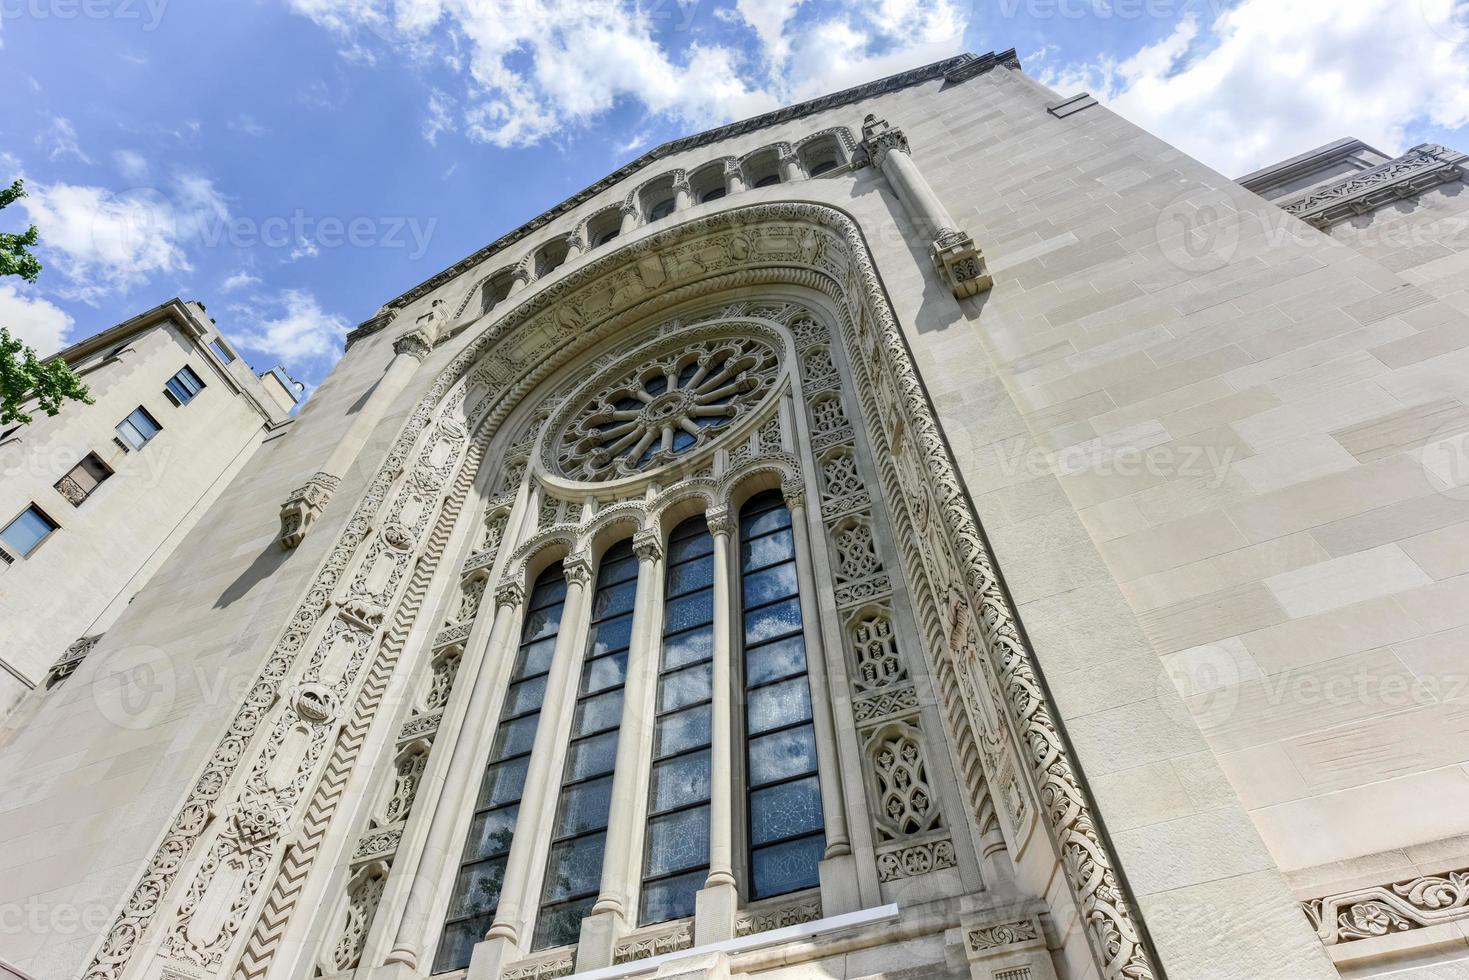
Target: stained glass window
<point x="785" y="829"/>
<point x="579" y="832"/>
<point x="482" y="869"/>
<point x="676" y="851"/>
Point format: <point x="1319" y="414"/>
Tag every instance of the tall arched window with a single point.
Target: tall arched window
<point x="676" y="852"/>
<point x="482" y="868"/>
<point x="579" y="833"/>
<point x="784" y="827"/>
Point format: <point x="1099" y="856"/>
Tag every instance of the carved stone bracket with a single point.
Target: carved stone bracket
<point x="70" y="660"/>
<point x="304" y="506"/>
<point x="961" y="263"/>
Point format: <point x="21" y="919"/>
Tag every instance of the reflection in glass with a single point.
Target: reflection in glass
<point x="786" y="835"/>
<point x="579" y="832"/>
<point x="676" y="849"/>
<point x="477" y="887"/>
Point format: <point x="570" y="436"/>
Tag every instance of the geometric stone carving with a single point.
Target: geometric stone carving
<point x="751" y="921"/>
<point x="961" y="263"/>
<point x="305" y="504"/>
<point x="70" y="660"/>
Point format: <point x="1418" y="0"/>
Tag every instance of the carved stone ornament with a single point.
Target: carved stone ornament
<point x="879" y="139"/>
<point x="315" y="703"/>
<point x="304" y="506"/>
<point x="257" y="821"/>
<point x="417" y="344"/>
<point x="1008" y="934"/>
<point x="961" y="263"/>
<point x="1382" y="910"/>
<point x="71" y="660"/>
<point x="787" y="244"/>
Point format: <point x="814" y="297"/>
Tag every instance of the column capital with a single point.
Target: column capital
<point x="793" y="489"/>
<point x="511" y="594"/>
<point x="647" y="544"/>
<point x="416" y="343"/>
<point x="578" y="569"/>
<point x="721" y="521"/>
<point x="879" y="138"/>
<point x="681" y="180"/>
<point x="630" y="207"/>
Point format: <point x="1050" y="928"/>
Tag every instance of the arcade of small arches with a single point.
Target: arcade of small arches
<point x="824" y="153"/>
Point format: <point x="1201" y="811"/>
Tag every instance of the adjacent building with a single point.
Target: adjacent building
<point x="937" y="530"/>
<point x="95" y="499"/>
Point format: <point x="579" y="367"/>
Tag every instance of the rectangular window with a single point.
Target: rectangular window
<point x="182" y="387"/>
<point x="83" y="478"/>
<point x="138" y="428"/>
<point x="25" y="534"/>
<point x="221" y="351"/>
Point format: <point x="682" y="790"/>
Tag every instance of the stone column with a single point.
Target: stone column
<point x="538" y="799"/>
<point x="622" y="856"/>
<point x="574" y="246"/>
<point x="790" y="164"/>
<point x="629" y="218"/>
<point x="460" y="779"/>
<point x="683" y="195"/>
<point x="734" y="181"/>
<point x="953" y="251"/>
<point x="519" y="279"/>
<point x="838" y="868"/>
<point x="718" y="900"/>
<point x="304" y="506"/>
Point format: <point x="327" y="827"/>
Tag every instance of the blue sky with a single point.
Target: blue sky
<point x="295" y="163"/>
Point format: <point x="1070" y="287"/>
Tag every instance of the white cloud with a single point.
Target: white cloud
<point x="240" y="280"/>
<point x="305" y="249"/>
<point x="294" y="329"/>
<point x="1266" y="80"/>
<point x="41" y="324"/>
<point x="59" y="140"/>
<point x="247" y="125"/>
<point x="104" y="242"/>
<point x="131" y="164"/>
<point x="440" y="116"/>
<point x="531" y="68"/>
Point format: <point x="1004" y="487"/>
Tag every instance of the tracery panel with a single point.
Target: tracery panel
<point x="476" y="893"/>
<point x="579" y="831"/>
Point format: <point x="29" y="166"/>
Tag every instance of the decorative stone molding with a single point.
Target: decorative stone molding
<point x="1424" y="166"/>
<point x="961" y="263"/>
<point x="378" y="843"/>
<point x="654" y="942"/>
<point x="1007" y="950"/>
<point x="71" y="660"/>
<point x="788" y="913"/>
<point x="304" y="506"/>
<point x="420" y="726"/>
<point x="1381" y="910"/>
<point x="894" y="862"/>
<point x="987" y="938"/>
<point x="544" y="967"/>
<point x="799" y="244"/>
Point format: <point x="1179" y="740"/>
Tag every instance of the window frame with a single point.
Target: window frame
<point x="177" y="388"/>
<point x="97" y="481"/>
<point x="127" y="420"/>
<point x="39" y="511"/>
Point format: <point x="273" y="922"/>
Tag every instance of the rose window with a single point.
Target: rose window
<point x="672" y="403"/>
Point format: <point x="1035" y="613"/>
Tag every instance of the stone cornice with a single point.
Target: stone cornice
<point x="1422" y="167"/>
<point x="957" y="69"/>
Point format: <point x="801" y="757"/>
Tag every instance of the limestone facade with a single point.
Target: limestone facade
<point x="120" y="502"/>
<point x="1078" y="519"/>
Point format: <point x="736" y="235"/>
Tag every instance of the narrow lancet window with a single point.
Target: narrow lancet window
<point x="579" y="833"/>
<point x="482" y="869"/>
<point x="676" y="853"/>
<point x="784" y="820"/>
